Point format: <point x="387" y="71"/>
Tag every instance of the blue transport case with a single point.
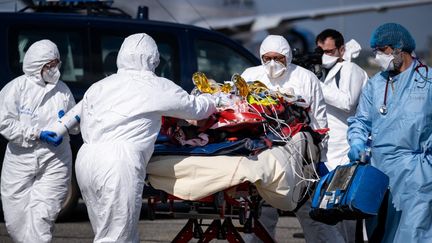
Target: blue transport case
<point x="353" y="191"/>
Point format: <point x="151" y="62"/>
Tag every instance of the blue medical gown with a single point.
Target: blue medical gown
<point x="401" y="145"/>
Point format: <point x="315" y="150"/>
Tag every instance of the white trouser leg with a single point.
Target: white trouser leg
<point x="32" y="194"/>
<point x="111" y="184"/>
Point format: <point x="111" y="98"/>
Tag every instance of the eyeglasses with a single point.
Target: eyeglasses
<point x="330" y="52"/>
<point x="379" y="49"/>
<point x="52" y="64"/>
<point x="279" y="58"/>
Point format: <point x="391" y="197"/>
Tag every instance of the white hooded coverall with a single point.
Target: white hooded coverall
<point x="121" y="118"/>
<point x="342" y="100"/>
<point x="304" y="83"/>
<point x="35" y="176"/>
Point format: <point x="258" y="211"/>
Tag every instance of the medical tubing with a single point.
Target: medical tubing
<point x="276" y="119"/>
<point x="288" y="142"/>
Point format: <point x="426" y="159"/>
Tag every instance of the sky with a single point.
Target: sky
<point x="358" y="26"/>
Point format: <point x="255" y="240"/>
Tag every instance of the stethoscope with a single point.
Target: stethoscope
<point x="383" y="108"/>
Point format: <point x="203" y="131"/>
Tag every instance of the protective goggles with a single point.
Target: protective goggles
<point x="52" y="64"/>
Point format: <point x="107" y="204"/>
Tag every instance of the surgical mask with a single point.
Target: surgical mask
<point x="51" y="75"/>
<point x="274" y="69"/>
<point x="329" y="61"/>
<point x="385" y="61"/>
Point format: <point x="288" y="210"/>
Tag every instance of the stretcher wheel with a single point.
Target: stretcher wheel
<point x="163" y="197"/>
<point x="151" y="214"/>
<point x="247" y="227"/>
<point x="242" y="215"/>
<point x="197" y="231"/>
<point x="219" y="199"/>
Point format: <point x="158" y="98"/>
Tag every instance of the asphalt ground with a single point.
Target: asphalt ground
<point x="76" y="228"/>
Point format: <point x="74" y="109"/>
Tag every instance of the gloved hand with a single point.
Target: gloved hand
<point x="322" y="169"/>
<point x="357" y="147"/>
<point x="61" y="113"/>
<point x="51" y="138"/>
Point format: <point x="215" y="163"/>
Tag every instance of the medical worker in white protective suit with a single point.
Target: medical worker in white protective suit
<point x="395" y="109"/>
<point x="37" y="165"/>
<point x="342" y="82"/>
<point x="121" y="118"/>
<point x="278" y="73"/>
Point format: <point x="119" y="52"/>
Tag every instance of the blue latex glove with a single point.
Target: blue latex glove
<point x="322" y="169"/>
<point x="357" y="147"/>
<point x="61" y="113"/>
<point x="51" y="138"/>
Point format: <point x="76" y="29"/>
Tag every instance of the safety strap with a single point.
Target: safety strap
<point x="324" y="75"/>
<point x="337" y="77"/>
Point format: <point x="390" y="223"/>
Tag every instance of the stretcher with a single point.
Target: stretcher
<point x="234" y="186"/>
<point x="241" y="202"/>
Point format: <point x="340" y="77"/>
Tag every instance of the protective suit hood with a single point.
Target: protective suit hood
<point x="39" y="54"/>
<point x="138" y="52"/>
<point x="276" y="43"/>
<point x="352" y="50"/>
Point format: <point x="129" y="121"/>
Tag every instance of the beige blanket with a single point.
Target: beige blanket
<point x="275" y="172"/>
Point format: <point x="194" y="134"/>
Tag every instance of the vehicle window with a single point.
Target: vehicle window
<point x="68" y="43"/>
<point x="110" y="46"/>
<point x="219" y="62"/>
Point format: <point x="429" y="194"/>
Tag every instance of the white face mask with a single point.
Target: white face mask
<point x="329" y="61"/>
<point x="274" y="69"/>
<point x="385" y="61"/>
<point x="51" y="75"/>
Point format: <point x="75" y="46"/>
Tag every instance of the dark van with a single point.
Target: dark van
<point x="88" y="48"/>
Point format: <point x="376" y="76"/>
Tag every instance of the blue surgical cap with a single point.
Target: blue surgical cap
<point x="394" y="35"/>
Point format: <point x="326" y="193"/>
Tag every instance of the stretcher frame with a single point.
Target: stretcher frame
<point x="243" y="199"/>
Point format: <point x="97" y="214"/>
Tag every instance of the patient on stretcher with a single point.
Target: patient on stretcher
<point x="264" y="138"/>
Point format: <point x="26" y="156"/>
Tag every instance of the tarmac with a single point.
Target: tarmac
<point x="77" y="228"/>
